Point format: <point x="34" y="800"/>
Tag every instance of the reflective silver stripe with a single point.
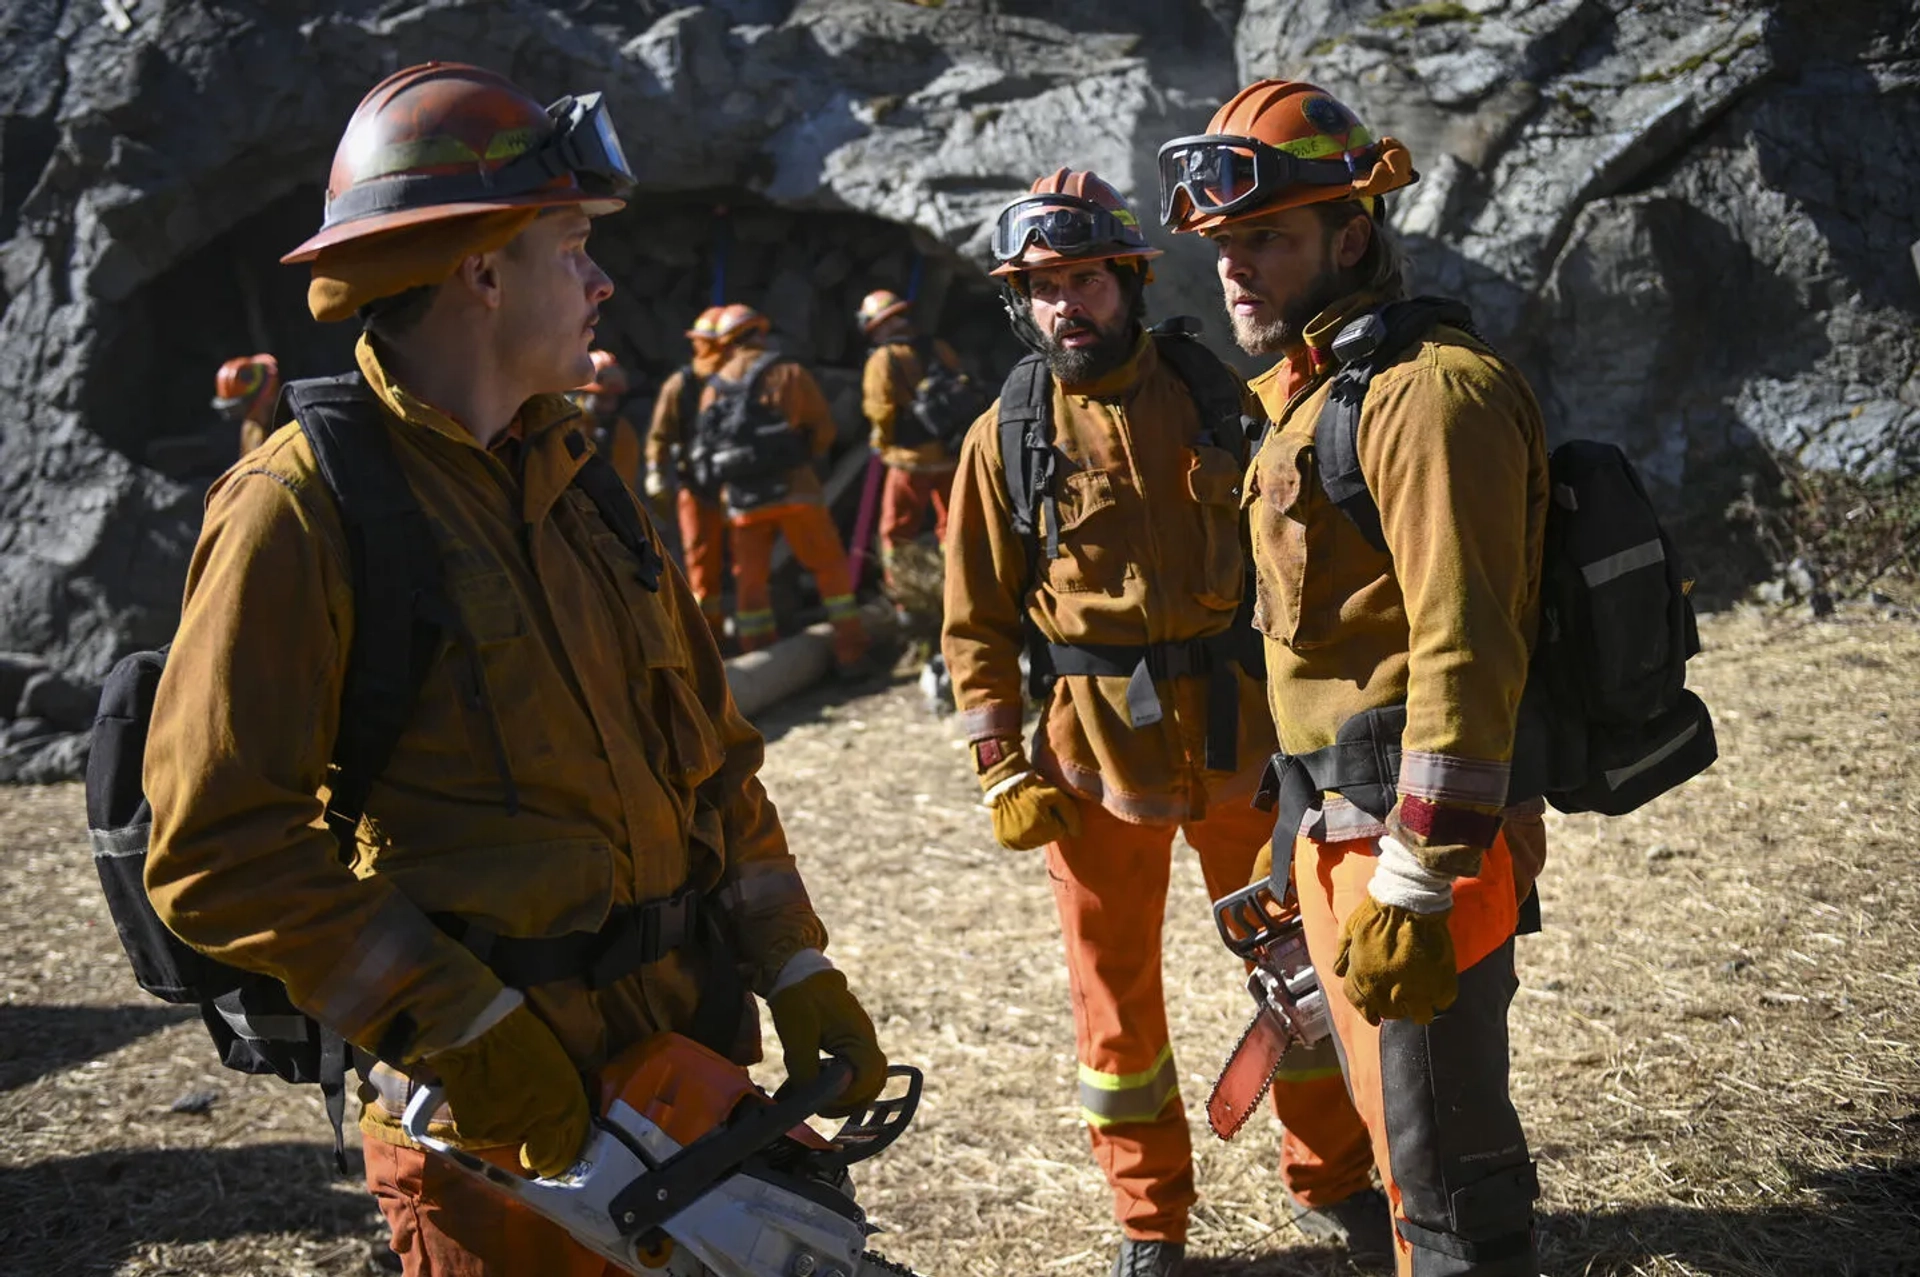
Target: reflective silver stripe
<point x="265" y="1028"/>
<point x="990" y="720"/>
<point x="1621" y="775"/>
<point x="1110" y="1098"/>
<point x="1644" y="555"/>
<point x="762" y="888"/>
<point x="1338" y="820"/>
<point x="1451" y="778"/>
<point x="111" y="844"/>
<point x="396" y="940"/>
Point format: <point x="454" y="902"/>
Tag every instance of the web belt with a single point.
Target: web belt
<point x="633" y="937"/>
<point x="1142" y="664"/>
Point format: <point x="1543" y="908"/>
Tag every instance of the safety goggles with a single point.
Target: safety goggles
<point x="1068" y="224"/>
<point x="1220" y="173"/>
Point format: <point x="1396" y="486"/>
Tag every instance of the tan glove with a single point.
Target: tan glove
<point x="820" y="1014"/>
<point x="1027" y="811"/>
<point x="515" y="1085"/>
<point x="1396" y="950"/>
<point x="655" y="484"/>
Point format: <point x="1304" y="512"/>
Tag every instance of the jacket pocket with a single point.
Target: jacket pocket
<point x="495" y="681"/>
<point x="663" y="643"/>
<point x="1093" y="553"/>
<point x="1276" y="522"/>
<point x="1213" y="481"/>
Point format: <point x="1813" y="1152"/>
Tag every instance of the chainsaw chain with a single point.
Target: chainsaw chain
<point x="1253" y="1106"/>
<point x="873" y="1261"/>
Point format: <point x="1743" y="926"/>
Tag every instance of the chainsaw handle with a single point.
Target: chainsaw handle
<point x="1250" y="919"/>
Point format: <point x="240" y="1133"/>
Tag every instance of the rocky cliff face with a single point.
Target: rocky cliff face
<point x="1690" y="221"/>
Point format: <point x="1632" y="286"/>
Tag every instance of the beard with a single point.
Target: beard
<point x="1077" y="365"/>
<point x="1289" y="328"/>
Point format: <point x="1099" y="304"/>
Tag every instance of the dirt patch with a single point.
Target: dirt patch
<point x="1713" y="1042"/>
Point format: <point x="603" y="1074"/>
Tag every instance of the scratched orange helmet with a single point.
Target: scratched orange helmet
<point x="1276" y="144"/>
<point x="878" y="306"/>
<point x="444" y="140"/>
<point x="246" y="386"/>
<point x="1068" y="215"/>
<point x="609" y="378"/>
<point x="736" y="323"/>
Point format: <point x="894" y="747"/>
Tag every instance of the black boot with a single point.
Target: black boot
<point x="1148" y="1259"/>
<point x="1363" y="1223"/>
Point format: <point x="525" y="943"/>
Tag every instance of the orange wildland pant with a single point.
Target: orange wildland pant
<point x="1110" y="885"/>
<point x="816" y="543"/>
<point x="703" y="547"/>
<point x="1445" y="1136"/>
<point x="444" y="1224"/>
<point x="903" y="508"/>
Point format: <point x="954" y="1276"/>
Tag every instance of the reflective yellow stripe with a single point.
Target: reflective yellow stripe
<point x="1321" y="145"/>
<point x="1107" y="1099"/>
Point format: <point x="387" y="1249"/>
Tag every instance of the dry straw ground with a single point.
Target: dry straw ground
<point x="1714" y="1045"/>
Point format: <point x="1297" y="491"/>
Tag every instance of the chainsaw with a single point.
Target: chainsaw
<point x="690" y="1170"/>
<point x="1292" y="1007"/>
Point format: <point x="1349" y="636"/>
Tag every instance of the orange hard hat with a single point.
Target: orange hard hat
<point x="609" y="378"/>
<point x="738" y="321"/>
<point x="244" y="381"/>
<point x="444" y="140"/>
<point x="878" y="306"/>
<point x="1068" y="215"/>
<point x="705" y="326"/>
<point x="1276" y="144"/>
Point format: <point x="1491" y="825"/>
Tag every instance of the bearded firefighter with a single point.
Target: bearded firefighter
<point x="1398" y="625"/>
<point x="567" y="849"/>
<point x="1096" y="528"/>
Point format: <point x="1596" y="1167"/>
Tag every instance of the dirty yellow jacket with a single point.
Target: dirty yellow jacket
<point x="635" y="772"/>
<point x="667" y="431"/>
<point x="1151" y="552"/>
<point x="1453" y="449"/>
<point x="790" y="390"/>
<point x="887" y="386"/>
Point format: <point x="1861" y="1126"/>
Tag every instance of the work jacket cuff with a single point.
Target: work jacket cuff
<point x="801" y="966"/>
<point x="983" y="722"/>
<point x="1449" y="842"/>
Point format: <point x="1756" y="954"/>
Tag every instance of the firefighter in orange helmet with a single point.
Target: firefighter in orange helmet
<point x="567" y="850"/>
<point x="1423" y="603"/>
<point x="702" y="522"/>
<point x="763" y="420"/>
<point x="913" y="422"/>
<point x="245" y="390"/>
<point x="611" y="432"/>
<point x="1122" y="588"/>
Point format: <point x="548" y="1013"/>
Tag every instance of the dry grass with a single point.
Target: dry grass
<point x="1713" y="1048"/>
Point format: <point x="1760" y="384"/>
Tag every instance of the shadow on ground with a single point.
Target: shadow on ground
<point x="1865" y="1221"/>
<point x="91" y="1213"/>
<point x="46" y="1039"/>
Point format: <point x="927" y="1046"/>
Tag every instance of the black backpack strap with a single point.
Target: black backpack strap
<point x="1224" y="422"/>
<point x="691" y="384"/>
<point x="401" y="611"/>
<point x="1365" y="346"/>
<point x="611" y="497"/>
<point x="1028" y="463"/>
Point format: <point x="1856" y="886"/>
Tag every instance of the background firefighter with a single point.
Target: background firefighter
<point x="245" y="390"/>
<point x="1149" y="572"/>
<point x="1417" y="911"/>
<point x="574" y="793"/>
<point x="611" y="432"/>
<point x="919" y="465"/>
<point x="702" y="521"/>
<point x="763" y="421"/>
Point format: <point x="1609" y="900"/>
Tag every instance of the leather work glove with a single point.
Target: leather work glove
<point x="1396" y="951"/>
<point x="1028" y="812"/>
<point x="1262" y="864"/>
<point x="820" y="1014"/>
<point x="655" y="484"/>
<point x="514" y="1084"/>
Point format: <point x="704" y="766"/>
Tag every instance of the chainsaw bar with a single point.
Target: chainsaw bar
<point x="874" y="1263"/>
<point x="1247" y="1074"/>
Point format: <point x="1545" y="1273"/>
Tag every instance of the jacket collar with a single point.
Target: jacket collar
<point x="537" y="416"/>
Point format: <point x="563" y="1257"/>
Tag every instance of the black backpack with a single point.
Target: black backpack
<point x="403" y="618"/>
<point x="1606" y="722"/>
<point x="946" y="402"/>
<point x="743" y="444"/>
